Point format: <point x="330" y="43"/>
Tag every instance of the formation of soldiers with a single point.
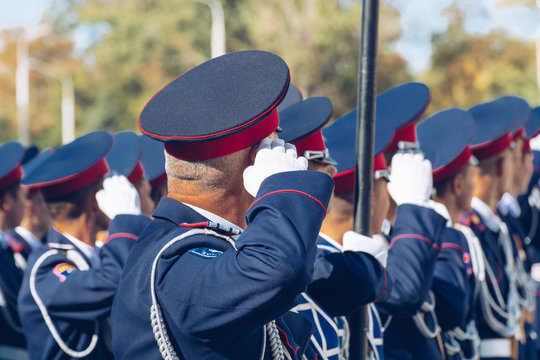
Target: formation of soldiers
<point x="225" y="230"/>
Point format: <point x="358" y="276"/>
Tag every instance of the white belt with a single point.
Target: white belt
<point x="498" y="348"/>
<point x="8" y="352"/>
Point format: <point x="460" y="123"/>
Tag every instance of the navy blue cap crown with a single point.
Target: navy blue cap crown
<point x="153" y="161"/>
<point x="125" y="155"/>
<point x="532" y="127"/>
<point x="522" y="113"/>
<point x="37" y="161"/>
<point x="72" y="166"/>
<point x="304" y="118"/>
<point x="292" y="96"/>
<point x="444" y="139"/>
<point x="398" y="109"/>
<point x="11" y="154"/>
<point x="219" y="107"/>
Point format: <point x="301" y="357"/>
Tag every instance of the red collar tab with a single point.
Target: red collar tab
<point x="453" y="166"/>
<point x="12" y="177"/>
<point x="199" y="150"/>
<point x="136" y="174"/>
<point x="74" y="182"/>
<point x="492" y="148"/>
<point x="406" y="133"/>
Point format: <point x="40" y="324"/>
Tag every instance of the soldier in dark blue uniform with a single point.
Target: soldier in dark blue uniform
<point x="496" y="304"/>
<point x="407" y="307"/>
<point x="510" y="211"/>
<point x="153" y="162"/>
<point x="346" y="275"/>
<point x="12" y="201"/>
<point x="35" y="224"/>
<point x="68" y="287"/>
<point x="125" y="159"/>
<point x="203" y="281"/>
<point x="444" y="138"/>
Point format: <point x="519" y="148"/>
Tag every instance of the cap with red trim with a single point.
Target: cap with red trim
<point x="72" y="166"/>
<point x="493" y="124"/>
<point x="444" y="139"/>
<point x="301" y="125"/>
<point x="341" y="142"/>
<point x="153" y="161"/>
<point x="522" y="112"/>
<point x="11" y="172"/>
<point x="399" y="108"/>
<point x="292" y="96"/>
<point x="30" y="153"/>
<point x="125" y="155"/>
<point x="219" y="107"/>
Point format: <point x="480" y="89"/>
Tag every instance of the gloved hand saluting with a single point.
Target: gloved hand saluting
<point x="411" y="181"/>
<point x="375" y="246"/>
<point x="273" y="156"/>
<point x="118" y="196"/>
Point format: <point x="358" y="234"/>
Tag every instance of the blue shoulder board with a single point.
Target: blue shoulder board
<point x="205" y="252"/>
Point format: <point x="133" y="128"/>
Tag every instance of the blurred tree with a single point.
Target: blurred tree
<point x="467" y="69"/>
<point x="140" y="45"/>
<point x="50" y="58"/>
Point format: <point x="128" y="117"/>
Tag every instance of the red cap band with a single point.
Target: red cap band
<point x="520" y="133"/>
<point x="312" y="142"/>
<point x="406" y="133"/>
<point x="136" y="174"/>
<point x="214" y="148"/>
<point x="154" y="183"/>
<point x="72" y="182"/>
<point x="344" y="181"/>
<point x="11" y="177"/>
<point x="453" y="166"/>
<point x="492" y="148"/>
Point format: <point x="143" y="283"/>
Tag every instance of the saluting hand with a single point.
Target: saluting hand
<point x="273" y="156"/>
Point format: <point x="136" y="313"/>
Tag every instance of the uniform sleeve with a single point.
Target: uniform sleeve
<point x="452" y="269"/>
<point x="342" y="282"/>
<point x="415" y="242"/>
<point x="239" y="291"/>
<point x="70" y="293"/>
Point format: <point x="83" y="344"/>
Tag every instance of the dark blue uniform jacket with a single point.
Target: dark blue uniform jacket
<point x="78" y="302"/>
<point x="215" y="299"/>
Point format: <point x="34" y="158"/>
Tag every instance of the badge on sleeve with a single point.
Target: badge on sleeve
<point x="206" y="253"/>
<point x="63" y="270"/>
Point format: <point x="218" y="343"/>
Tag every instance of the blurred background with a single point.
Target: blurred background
<point x="93" y="64"/>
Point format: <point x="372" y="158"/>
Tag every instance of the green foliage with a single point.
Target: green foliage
<point x="469" y="69"/>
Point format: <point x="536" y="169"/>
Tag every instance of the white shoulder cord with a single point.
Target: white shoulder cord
<point x="427" y="307"/>
<point x="158" y="324"/>
<point x="534" y="202"/>
<point x="43" y="309"/>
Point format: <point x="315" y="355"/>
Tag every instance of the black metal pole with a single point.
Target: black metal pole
<point x="365" y="122"/>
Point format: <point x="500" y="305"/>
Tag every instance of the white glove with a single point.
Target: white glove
<point x="273" y="156"/>
<point x="375" y="246"/>
<point x="411" y="180"/>
<point x="118" y="196"/>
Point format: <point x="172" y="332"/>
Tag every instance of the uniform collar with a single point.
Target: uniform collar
<point x="89" y="252"/>
<point x="214" y="218"/>
<point x="489" y="218"/>
<point x="331" y="241"/>
<point x="30" y="238"/>
<point x="442" y="210"/>
<point x="181" y="213"/>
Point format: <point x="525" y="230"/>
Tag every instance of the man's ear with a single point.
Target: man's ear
<point x="5" y="201"/>
<point x="458" y="184"/>
<point x="253" y="152"/>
